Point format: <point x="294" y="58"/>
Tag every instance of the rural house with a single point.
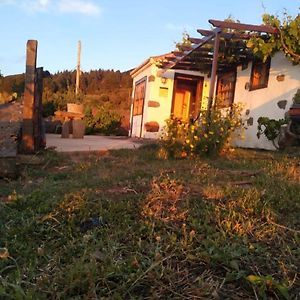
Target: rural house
<point x="216" y="69"/>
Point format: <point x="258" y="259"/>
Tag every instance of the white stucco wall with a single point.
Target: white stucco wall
<point x="263" y="102"/>
<point x="161" y="113"/>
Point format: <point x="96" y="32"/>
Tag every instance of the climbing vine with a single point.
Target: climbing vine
<point x="270" y="128"/>
<point x="286" y="39"/>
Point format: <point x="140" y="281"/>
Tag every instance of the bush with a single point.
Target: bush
<point x="209" y="135"/>
<point x="105" y="121"/>
<point x="48" y="109"/>
<point x="270" y="128"/>
<point x="296" y="98"/>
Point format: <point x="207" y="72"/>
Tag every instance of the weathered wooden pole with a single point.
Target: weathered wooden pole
<point x="214" y="68"/>
<point x="78" y="68"/>
<point x="39" y="133"/>
<point x="28" y="144"/>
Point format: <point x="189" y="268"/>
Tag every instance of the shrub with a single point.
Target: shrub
<point x="296" y="98"/>
<point x="209" y="135"/>
<point x="48" y="109"/>
<point x="105" y="121"/>
<point x="270" y="128"/>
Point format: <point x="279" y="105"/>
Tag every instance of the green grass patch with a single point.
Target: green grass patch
<point x="127" y="225"/>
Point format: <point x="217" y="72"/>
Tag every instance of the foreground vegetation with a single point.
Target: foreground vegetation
<point x="125" y="225"/>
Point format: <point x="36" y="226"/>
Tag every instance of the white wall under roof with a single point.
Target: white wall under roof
<point x="263" y="102"/>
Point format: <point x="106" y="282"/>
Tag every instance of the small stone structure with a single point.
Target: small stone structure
<point x="72" y="121"/>
<point x="10" y="129"/>
<point x="10" y="126"/>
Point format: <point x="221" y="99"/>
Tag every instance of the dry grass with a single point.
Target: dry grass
<point x="126" y="225"/>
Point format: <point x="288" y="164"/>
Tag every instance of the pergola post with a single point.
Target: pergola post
<point x="28" y="145"/>
<point x="214" y="68"/>
<point x="38" y="113"/>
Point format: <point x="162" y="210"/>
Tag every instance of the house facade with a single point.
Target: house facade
<point x="265" y="89"/>
<point x="159" y="93"/>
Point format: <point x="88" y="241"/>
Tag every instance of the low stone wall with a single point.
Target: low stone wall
<point x="10" y="126"/>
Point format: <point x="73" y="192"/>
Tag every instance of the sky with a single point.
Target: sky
<point x="115" y="34"/>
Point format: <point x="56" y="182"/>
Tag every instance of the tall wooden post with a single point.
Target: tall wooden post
<point x="214" y="70"/>
<point x="27" y="145"/>
<point x="39" y="134"/>
<point x="78" y="68"/>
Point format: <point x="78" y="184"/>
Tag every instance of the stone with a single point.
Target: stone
<point x="280" y="77"/>
<point x="153" y="104"/>
<point x="151" y="78"/>
<point x="78" y="129"/>
<point x="152" y="126"/>
<point x="10" y="127"/>
<point x="282" y="104"/>
<point x="250" y="121"/>
<point x="65" y="131"/>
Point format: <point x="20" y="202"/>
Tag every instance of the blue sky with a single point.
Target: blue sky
<point x="115" y="34"/>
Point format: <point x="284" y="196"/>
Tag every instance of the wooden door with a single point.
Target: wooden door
<point x="182" y="104"/>
<point x="187" y="97"/>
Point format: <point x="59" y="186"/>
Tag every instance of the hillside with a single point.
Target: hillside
<point x="99" y="88"/>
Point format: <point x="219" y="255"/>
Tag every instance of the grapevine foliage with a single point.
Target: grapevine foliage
<point x="287" y="38"/>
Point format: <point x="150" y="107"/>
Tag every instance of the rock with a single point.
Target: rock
<point x="78" y="129"/>
<point x="282" y="104"/>
<point x="152" y="126"/>
<point x="153" y="104"/>
<point x="65" y="131"/>
<point x="10" y="127"/>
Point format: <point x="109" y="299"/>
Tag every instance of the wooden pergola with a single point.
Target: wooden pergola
<point x="220" y="49"/>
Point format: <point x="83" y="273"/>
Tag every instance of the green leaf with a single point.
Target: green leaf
<point x="283" y="290"/>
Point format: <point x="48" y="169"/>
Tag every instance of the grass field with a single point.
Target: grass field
<point x="126" y="225"/>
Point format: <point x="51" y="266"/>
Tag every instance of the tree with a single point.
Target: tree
<point x="286" y="39"/>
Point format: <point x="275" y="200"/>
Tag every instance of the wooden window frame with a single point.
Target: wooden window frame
<point x="234" y="71"/>
<point x="138" y="103"/>
<point x="266" y="67"/>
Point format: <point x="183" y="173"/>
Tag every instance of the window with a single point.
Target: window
<point x="225" y="89"/>
<point x="259" y="75"/>
<point x="139" y="97"/>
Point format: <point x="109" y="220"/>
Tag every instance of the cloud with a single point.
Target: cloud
<point x="83" y="7"/>
<point x="78" y="6"/>
<point x="38" y="5"/>
<point x="177" y="27"/>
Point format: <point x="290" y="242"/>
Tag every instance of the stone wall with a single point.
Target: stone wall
<point x="10" y="125"/>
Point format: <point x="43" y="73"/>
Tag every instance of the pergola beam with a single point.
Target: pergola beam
<point x="204" y="41"/>
<point x="227" y="35"/>
<point x="242" y="26"/>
